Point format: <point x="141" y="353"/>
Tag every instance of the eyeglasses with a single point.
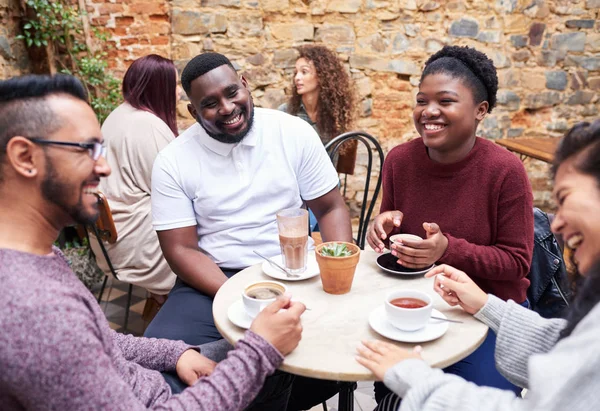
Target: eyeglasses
<point x="95" y="149"/>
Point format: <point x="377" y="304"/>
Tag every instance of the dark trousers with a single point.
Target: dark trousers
<point x="478" y="368"/>
<point x="187" y="315"/>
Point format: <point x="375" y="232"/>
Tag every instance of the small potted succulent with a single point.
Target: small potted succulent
<point x="337" y="262"/>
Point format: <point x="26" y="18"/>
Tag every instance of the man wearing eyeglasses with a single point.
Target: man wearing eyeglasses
<point x="57" y="351"/>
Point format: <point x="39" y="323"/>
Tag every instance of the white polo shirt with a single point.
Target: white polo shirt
<point x="231" y="192"/>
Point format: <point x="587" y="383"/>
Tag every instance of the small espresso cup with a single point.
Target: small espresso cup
<point x="408" y="310"/>
<point x="257" y="296"/>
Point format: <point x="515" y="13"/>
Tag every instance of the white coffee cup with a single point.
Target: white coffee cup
<point x="399" y="237"/>
<point x="252" y="296"/>
<point x="408" y="319"/>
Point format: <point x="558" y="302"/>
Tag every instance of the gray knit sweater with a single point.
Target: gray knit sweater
<point x="560" y="375"/>
<point x="57" y="351"/>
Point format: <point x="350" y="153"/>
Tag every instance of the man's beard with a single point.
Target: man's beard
<point x="56" y="192"/>
<point x="231" y="138"/>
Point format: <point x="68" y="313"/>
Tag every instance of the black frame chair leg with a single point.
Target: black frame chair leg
<point x="129" y="292"/>
<point x="346" y="398"/>
<point x="102" y="288"/>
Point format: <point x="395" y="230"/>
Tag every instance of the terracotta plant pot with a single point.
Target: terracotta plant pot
<point x="337" y="273"/>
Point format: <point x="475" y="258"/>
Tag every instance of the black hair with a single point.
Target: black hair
<point x="582" y="143"/>
<point x="587" y="296"/>
<point x="471" y="66"/>
<point x="200" y="65"/>
<point x="24" y="110"/>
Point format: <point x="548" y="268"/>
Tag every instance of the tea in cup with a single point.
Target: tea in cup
<point x="408" y="310"/>
<point x="257" y="296"/>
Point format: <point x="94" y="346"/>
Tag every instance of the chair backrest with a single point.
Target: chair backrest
<point x="105" y="224"/>
<point x="103" y="230"/>
<point x="369" y="199"/>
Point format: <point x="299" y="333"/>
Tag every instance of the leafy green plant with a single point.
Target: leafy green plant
<point x="58" y="27"/>
<point x="335" y="250"/>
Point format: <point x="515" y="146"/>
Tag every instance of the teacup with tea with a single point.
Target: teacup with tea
<point x="257" y="296"/>
<point x="408" y="310"/>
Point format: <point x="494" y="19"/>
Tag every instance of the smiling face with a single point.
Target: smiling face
<point x="305" y="77"/>
<point x="446" y="116"/>
<point x="222" y="104"/>
<point x="578" y="215"/>
<point x="71" y="177"/>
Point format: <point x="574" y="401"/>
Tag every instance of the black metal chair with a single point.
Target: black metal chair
<point x="369" y="199"/>
<point x="104" y="230"/>
<point x="346" y="393"/>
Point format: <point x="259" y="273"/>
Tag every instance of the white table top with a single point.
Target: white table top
<point x="335" y="324"/>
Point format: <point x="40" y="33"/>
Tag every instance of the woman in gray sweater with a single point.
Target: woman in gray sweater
<point x="557" y="360"/>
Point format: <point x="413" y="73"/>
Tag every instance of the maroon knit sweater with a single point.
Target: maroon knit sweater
<point x="483" y="205"/>
<point x="57" y="351"/>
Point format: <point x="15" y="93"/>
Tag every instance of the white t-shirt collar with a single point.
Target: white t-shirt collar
<point x="223" y="149"/>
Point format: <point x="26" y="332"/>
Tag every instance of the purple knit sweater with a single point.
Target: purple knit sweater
<point x="57" y="351"/>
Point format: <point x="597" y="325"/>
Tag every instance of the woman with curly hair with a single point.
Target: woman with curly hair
<point x="558" y="360"/>
<point x="469" y="198"/>
<point x="323" y="95"/>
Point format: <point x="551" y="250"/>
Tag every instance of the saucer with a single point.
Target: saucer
<point x="237" y="315"/>
<point x="312" y="268"/>
<point x="434" y="328"/>
<point x="387" y="262"/>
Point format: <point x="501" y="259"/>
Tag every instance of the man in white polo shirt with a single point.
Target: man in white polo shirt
<point x="217" y="187"/>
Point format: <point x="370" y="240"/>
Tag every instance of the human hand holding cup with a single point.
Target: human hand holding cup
<point x="279" y="323"/>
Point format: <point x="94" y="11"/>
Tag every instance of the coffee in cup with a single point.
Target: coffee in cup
<point x="257" y="296"/>
<point x="408" y="310"/>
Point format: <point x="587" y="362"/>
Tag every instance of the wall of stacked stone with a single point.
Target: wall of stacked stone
<point x="14" y="59"/>
<point x="547" y="54"/>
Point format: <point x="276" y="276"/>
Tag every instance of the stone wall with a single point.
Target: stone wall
<point x="547" y="54"/>
<point x="14" y="59"/>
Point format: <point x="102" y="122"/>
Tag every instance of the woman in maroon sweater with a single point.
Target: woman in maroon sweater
<point x="467" y="197"/>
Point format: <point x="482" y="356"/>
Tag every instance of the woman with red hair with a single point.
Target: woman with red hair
<point x="134" y="133"/>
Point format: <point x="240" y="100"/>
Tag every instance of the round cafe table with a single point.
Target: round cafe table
<point x="336" y="324"/>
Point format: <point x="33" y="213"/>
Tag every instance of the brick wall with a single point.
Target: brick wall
<point x="14" y="59"/>
<point x="137" y="28"/>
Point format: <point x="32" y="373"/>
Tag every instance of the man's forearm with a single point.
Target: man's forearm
<point x="335" y="225"/>
<point x="197" y="270"/>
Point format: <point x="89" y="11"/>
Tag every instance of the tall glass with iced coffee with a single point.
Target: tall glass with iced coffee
<point x="293" y="238"/>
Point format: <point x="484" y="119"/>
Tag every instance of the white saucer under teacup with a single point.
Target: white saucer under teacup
<point x="238" y="316"/>
<point x="312" y="269"/>
<point x="433" y="330"/>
